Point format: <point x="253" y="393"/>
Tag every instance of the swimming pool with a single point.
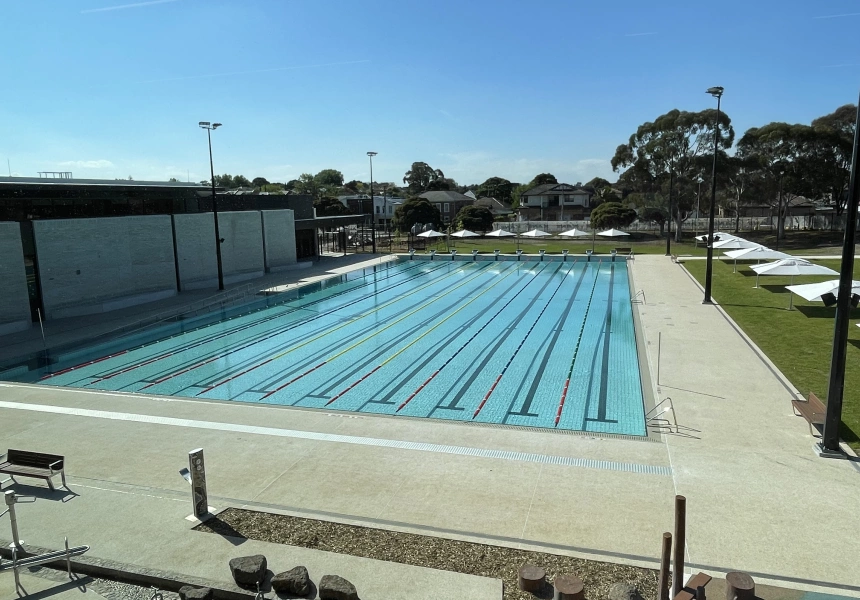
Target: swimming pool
<point x="538" y="344"/>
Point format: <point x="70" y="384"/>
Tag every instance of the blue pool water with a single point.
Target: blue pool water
<point x="539" y="344"/>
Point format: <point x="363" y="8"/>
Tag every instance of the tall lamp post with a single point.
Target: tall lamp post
<point x="716" y="92"/>
<point x="829" y="445"/>
<point x="669" y="229"/>
<point x="698" y="203"/>
<point x="218" y="240"/>
<point x="779" y="209"/>
<point x="370" y="155"/>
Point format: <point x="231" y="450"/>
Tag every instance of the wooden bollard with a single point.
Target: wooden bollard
<point x="739" y="586"/>
<point x="568" y="587"/>
<point x="680" y="536"/>
<point x="532" y="578"/>
<point x="665" y="556"/>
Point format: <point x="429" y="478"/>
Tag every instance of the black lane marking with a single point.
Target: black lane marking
<point x="527" y="404"/>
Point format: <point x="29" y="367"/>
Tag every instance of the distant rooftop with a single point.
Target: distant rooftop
<point x="111" y="182"/>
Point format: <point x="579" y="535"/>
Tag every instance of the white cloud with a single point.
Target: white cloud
<point x="87" y="164"/>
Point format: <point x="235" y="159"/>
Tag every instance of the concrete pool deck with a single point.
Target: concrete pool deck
<point x="755" y="491"/>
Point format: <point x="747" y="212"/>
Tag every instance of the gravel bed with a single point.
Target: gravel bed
<point x="426" y="551"/>
<point x="106" y="588"/>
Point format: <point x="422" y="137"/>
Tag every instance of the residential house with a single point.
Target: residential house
<point x="554" y="202"/>
<point x="499" y="208"/>
<point x="449" y="203"/>
<point x="382" y="208"/>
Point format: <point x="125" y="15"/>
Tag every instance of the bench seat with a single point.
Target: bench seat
<point x="37" y="465"/>
<point x="812" y="409"/>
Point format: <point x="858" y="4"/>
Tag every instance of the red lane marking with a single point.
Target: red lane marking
<point x="353" y="385"/>
<point x="131" y="368"/>
<point x="177" y="374"/>
<point x="291" y="381"/>
<point x="223" y="381"/>
<point x="561" y="404"/>
<point x="86" y="364"/>
<point x="487" y="397"/>
<point x="415" y="393"/>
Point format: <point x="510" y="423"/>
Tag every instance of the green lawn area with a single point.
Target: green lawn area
<point x="799" y="342"/>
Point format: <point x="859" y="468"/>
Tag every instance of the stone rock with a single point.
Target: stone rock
<point x="333" y="587"/>
<point x="188" y="592"/>
<point x="624" y="591"/>
<point x="248" y="571"/>
<point x="295" y="581"/>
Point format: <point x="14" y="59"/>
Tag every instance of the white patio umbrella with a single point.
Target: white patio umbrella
<point x="613" y="233"/>
<point x="574" y="233"/>
<point x="814" y="291"/>
<point x="721" y="234"/>
<point x="432" y="234"/>
<point x="755" y="253"/>
<point x="500" y="233"/>
<point x="535" y="233"/>
<point x="792" y="267"/>
<point x="734" y="244"/>
<point x="465" y="233"/>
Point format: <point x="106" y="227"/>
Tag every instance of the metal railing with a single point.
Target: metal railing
<point x="635" y="298"/>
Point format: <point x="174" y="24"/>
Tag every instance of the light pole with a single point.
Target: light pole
<point x="829" y="445"/>
<point x="370" y="155"/>
<point x="218" y="240"/>
<point x="698" y="203"/>
<point x="716" y="92"/>
<point x="669" y="231"/>
<point x="779" y="209"/>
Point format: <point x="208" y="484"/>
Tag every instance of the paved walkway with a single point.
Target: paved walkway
<point x="759" y="500"/>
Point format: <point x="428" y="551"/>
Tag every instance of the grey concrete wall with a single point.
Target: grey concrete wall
<point x="14" y="299"/>
<point x="242" y="250"/>
<point x="89" y="266"/>
<point x="279" y="239"/>
<point x="195" y="251"/>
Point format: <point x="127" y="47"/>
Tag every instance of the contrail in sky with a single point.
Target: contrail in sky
<point x="836" y="16"/>
<point x="334" y="64"/>
<point x="123" y="6"/>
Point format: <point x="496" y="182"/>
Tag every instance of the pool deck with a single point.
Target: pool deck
<point x="758" y="499"/>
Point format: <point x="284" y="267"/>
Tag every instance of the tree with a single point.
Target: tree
<point x="612" y="214"/>
<point x="654" y="215"/>
<point x="329" y="207"/>
<point x="329" y="178"/>
<point x="355" y="186"/>
<point x="173" y="180"/>
<point x="544" y="178"/>
<point x="419" y="177"/>
<point x="416" y="210"/>
<point x="259" y="182"/>
<point x="679" y="146"/>
<point x="475" y="218"/>
<point x="597" y="184"/>
<point x="241" y="181"/>
<point x="496" y="187"/>
<point x="835" y="136"/>
<point x="225" y="181"/>
<point x="306" y="184"/>
<point x="292" y="184"/>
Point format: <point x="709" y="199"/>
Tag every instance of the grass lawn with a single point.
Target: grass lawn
<point x="799" y="342"/>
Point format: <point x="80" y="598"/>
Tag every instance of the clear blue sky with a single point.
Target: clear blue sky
<point x="477" y="88"/>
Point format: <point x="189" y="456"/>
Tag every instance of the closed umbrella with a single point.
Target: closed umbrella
<point x="755" y="253"/>
<point x="792" y="267"/>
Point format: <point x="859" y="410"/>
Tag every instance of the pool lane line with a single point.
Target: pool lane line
<point x="519" y="347"/>
<point x="420" y="337"/>
<point x="529" y="396"/>
<point x="328" y="331"/>
<point x="469" y="341"/>
<point x="576" y="349"/>
<point x="607" y="338"/>
<point x="206" y="339"/>
<point x="421" y="306"/>
<point x="257" y="322"/>
<point x="80" y="366"/>
<point x="499" y="342"/>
